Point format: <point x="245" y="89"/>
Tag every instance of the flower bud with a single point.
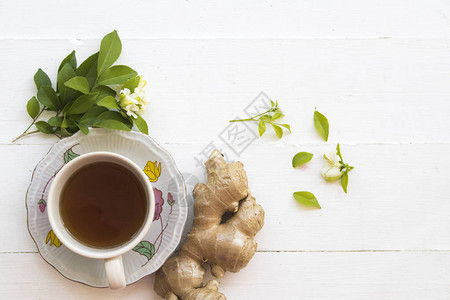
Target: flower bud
<point x="332" y="167"/>
<point x="134" y="102"/>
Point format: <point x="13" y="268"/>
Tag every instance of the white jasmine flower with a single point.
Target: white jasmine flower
<point x="134" y="103"/>
<point x="141" y="93"/>
<point x="332" y="167"/>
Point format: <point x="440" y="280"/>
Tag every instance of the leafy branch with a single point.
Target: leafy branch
<point x="268" y="117"/>
<point x="344" y="168"/>
<point x="89" y="95"/>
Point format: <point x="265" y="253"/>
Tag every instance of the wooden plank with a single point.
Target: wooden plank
<point x="397" y="200"/>
<point x="32" y="278"/>
<point x="397" y="197"/>
<point x="313" y="275"/>
<point x="404" y="275"/>
<point x="291" y="18"/>
<point x="392" y="91"/>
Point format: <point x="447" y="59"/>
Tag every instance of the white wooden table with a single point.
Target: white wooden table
<point x="380" y="72"/>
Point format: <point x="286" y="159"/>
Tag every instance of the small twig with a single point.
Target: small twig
<point x="253" y="118"/>
<point x="32" y="123"/>
<point x="24" y="134"/>
<point x="242" y="120"/>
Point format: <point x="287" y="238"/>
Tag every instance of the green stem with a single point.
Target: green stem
<point x="346" y="168"/>
<point x="242" y="120"/>
<point x="35" y="118"/>
<point x="253" y="118"/>
<point x="32" y="123"/>
<point x="24" y="134"/>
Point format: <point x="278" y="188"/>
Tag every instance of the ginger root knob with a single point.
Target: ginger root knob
<point x="226" y="245"/>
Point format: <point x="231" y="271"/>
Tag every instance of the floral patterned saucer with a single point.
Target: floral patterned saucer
<point x="171" y="209"/>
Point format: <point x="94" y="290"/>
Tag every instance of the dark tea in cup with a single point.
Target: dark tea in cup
<point x="103" y="205"/>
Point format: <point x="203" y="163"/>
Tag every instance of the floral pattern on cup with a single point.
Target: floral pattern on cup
<point x="67" y="157"/>
<point x="152" y="171"/>
<point x="147" y="248"/>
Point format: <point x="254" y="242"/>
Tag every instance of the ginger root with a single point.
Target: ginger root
<point x="225" y="222"/>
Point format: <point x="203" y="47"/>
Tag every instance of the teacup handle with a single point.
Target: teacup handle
<point x="115" y="272"/>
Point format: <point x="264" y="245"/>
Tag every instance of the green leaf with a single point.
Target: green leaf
<point x="55" y="121"/>
<point x="69" y="123"/>
<point x="64" y="123"/>
<point x="82" y="104"/>
<point x="33" y="107"/>
<point x="75" y="118"/>
<point x="66" y="94"/>
<point x="132" y="83"/>
<point x="141" y="124"/>
<point x="84" y="129"/>
<point x="44" y="127"/>
<point x="146" y="249"/>
<point x="116" y="75"/>
<point x="278" y="130"/>
<point x="112" y="124"/>
<point x="70" y="155"/>
<point x="122" y="112"/>
<point x="109" y="102"/>
<point x="104" y="91"/>
<point x="129" y="118"/>
<point x="287" y="126"/>
<point x="78" y="83"/>
<point x="344" y="181"/>
<point x="89" y="117"/>
<point x="112" y="120"/>
<point x="321" y="124"/>
<point x="307" y="198"/>
<point x="338" y="152"/>
<point x="66" y="107"/>
<point x="47" y="96"/>
<point x="261" y="127"/>
<point x="41" y="79"/>
<point x="88" y="69"/>
<point x="301" y="158"/>
<point x="277" y="116"/>
<point x="110" y="49"/>
<point x="69" y="59"/>
<point x="265" y="118"/>
<point x="65" y="132"/>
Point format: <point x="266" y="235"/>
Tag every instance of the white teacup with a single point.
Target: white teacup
<point x="112" y="256"/>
